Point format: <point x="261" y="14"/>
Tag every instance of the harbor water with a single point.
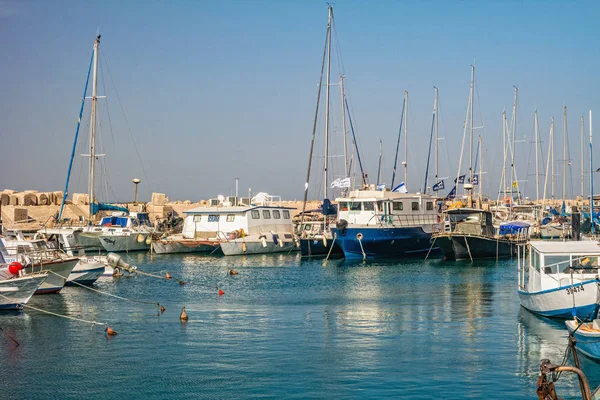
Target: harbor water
<point x="287" y="327"/>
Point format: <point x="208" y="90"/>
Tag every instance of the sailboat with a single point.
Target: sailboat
<point x="121" y="231"/>
<point x="468" y="231"/>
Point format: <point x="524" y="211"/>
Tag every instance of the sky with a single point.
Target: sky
<point x="199" y="93"/>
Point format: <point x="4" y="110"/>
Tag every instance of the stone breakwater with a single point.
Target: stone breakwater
<point x="31" y="209"/>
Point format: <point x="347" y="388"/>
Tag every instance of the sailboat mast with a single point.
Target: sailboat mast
<point x="591" y="178"/>
<point x="564" y="183"/>
<point x="437" y="158"/>
<point x="380" y="155"/>
<point x="504" y="139"/>
<point x="344" y="125"/>
<point x="326" y="162"/>
<point x="479" y="180"/>
<point x="93" y="126"/>
<point x="405" y="137"/>
<point x="582" y="157"/>
<point x="552" y="157"/>
<point x="471" y="118"/>
<point x="536" y="130"/>
<point x="513" y="175"/>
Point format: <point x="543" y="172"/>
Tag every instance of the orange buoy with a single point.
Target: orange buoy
<point x="221" y="293"/>
<point x="110" y="331"/>
<point x="168" y="276"/>
<point x="162" y="309"/>
<point x="181" y="282"/>
<point x="232" y="272"/>
<point x="183" y="316"/>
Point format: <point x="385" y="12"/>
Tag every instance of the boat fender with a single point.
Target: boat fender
<point x="244" y="247"/>
<point x="324" y="241"/>
<point x="275" y="240"/>
<point x="342" y="226"/>
<point x="149" y="240"/>
<point x="140" y="238"/>
<point x="241" y="233"/>
<point x="263" y="240"/>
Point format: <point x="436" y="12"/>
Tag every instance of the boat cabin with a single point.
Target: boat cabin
<point x="124" y="220"/>
<point x="374" y="207"/>
<point x="227" y="222"/>
<point x="553" y="264"/>
<point x="469" y="221"/>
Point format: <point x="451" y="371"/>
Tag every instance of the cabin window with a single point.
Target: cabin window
<point x="266" y="214"/>
<point x="398" y="206"/>
<point x="343" y="206"/>
<point x="415" y="206"/>
<point x="230" y="217"/>
<point x="286" y="214"/>
<point x="197" y="218"/>
<point x="368" y="206"/>
<point x="255" y="214"/>
<point x="429" y="205"/>
<point x="276" y="214"/>
<point x="355" y="206"/>
<point x="213" y="217"/>
<point x="556" y="263"/>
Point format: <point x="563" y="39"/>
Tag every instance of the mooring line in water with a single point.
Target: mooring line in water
<point x="167" y="278"/>
<point x="113" y="295"/>
<point x="10" y="337"/>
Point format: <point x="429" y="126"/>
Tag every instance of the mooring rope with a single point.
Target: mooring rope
<point x="10" y="337"/>
<point x="331" y="248"/>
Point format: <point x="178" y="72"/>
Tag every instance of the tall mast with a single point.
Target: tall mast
<point x="405" y="138"/>
<point x="479" y="180"/>
<point x="537" y="176"/>
<point x="564" y="153"/>
<point x="344" y="125"/>
<point x="582" y="157"/>
<point x="93" y="126"/>
<point x="552" y="158"/>
<point x="548" y="161"/>
<point x="591" y="178"/>
<point x="435" y="113"/>
<point x="513" y="175"/>
<point x="471" y="118"/>
<point x="330" y="16"/>
<point x="380" y="155"/>
<point x="504" y="139"/>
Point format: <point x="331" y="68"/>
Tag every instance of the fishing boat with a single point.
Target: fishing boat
<point x="126" y="232"/>
<point x="190" y="240"/>
<point x="383" y="223"/>
<point x="559" y="279"/>
<point x="469" y="233"/>
<point x="587" y="335"/>
<point x="16" y="288"/>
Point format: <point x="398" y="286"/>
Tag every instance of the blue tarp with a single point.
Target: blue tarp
<point x="512" y="228"/>
<point x="327" y="208"/>
<point x="106" y="207"/>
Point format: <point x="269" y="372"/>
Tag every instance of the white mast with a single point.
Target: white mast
<point x="582" y="161"/>
<point x="93" y="126"/>
<point x="537" y="176"/>
<point x="548" y="160"/>
<point x="405" y="138"/>
<point x="552" y="147"/>
<point x="479" y="180"/>
<point x="564" y="183"/>
<point x="504" y="139"/>
<point x="591" y="178"/>
<point x="513" y="173"/>
<point x="330" y="16"/>
<point x="346" y="172"/>
<point x="472" y="95"/>
<point x="435" y="112"/>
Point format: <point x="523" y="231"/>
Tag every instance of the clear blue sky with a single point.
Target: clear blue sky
<point x="215" y="90"/>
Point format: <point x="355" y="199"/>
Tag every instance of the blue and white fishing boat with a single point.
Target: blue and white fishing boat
<point x="587" y="336"/>
<point x="382" y="223"/>
<point x="560" y="279"/>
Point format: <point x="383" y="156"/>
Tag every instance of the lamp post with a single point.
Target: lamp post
<point x="136" y="182"/>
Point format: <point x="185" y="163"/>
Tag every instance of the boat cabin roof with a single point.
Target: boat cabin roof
<point x="585" y="247"/>
<point x="231" y="210"/>
<point x="465" y="210"/>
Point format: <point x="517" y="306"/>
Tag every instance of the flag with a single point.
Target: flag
<point x="452" y="193"/>
<point x="475" y="179"/>
<point x="381" y="186"/>
<point x="461" y="179"/>
<point x="438" y="186"/>
<point x="341" y="183"/>
<point x="401" y="188"/>
<point x="305" y="186"/>
<point x="514" y="184"/>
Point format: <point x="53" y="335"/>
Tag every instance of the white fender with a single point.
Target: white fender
<point x="149" y="240"/>
<point x="244" y="247"/>
<point x="324" y="240"/>
<point x="263" y="241"/>
<point x="140" y="238"/>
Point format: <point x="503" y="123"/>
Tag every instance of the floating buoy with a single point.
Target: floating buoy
<point x="183" y="316"/>
<point x="110" y="331"/>
<point x="162" y="309"/>
<point x="182" y="282"/>
<point x="232" y="272"/>
<point x="168" y="276"/>
<point x="14" y="267"/>
<point x="221" y="293"/>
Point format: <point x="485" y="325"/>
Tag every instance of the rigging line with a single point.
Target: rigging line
<point x="107" y="110"/>
<point x="126" y="121"/>
<point x="338" y="50"/>
<point x="476" y="88"/>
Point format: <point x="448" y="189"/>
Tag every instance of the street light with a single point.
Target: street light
<point x="136" y="182"/>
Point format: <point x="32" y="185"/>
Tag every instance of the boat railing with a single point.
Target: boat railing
<point x="395" y="220"/>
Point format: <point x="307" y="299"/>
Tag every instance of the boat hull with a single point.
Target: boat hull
<point x="121" y="243"/>
<point x="587" y="340"/>
<point x="558" y="303"/>
<point x="185" y="246"/>
<point x="17" y="292"/>
<point x="89" y="240"/>
<point x="383" y="242"/>
<point x="59" y="271"/>
<point x="551" y="231"/>
<point x="86" y="272"/>
<point x="314" y="247"/>
<point x="253" y="245"/>
<point x="460" y="247"/>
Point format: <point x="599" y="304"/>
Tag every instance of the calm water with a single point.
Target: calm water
<point x="289" y="328"/>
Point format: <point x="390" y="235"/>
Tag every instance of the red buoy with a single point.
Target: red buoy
<point x="14" y="267"/>
<point x="221" y="293"/>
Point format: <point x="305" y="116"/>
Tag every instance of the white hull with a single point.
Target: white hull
<point x="252" y="245"/>
<point x="128" y="242"/>
<point x="559" y="302"/>
<point x="86" y="272"/>
<point x="89" y="240"/>
<point x="184" y="246"/>
<point x="14" y="293"/>
<point x="552" y="231"/>
<point x="58" y="275"/>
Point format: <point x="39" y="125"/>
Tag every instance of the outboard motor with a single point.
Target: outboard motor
<point x="115" y="261"/>
<point x="342" y="226"/>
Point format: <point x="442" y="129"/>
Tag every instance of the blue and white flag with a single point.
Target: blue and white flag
<point x="475" y="179"/>
<point x="401" y="188"/>
<point x="341" y="183"/>
<point x="438" y="186"/>
<point x="381" y="186"/>
<point x="461" y="179"/>
<point x="452" y="193"/>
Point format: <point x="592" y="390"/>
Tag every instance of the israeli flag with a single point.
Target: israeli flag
<point x="461" y="180"/>
<point x="438" y="186"/>
<point x="475" y="179"/>
<point x="452" y="193"/>
<point x="341" y="183"/>
<point x="401" y="188"/>
<point x="381" y="186"/>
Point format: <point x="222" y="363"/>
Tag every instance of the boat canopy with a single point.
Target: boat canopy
<point x="514" y="228"/>
<point x="107" y="207"/>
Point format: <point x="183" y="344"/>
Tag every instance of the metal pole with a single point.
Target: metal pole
<point x="93" y="127"/>
<point x="406" y="138"/>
